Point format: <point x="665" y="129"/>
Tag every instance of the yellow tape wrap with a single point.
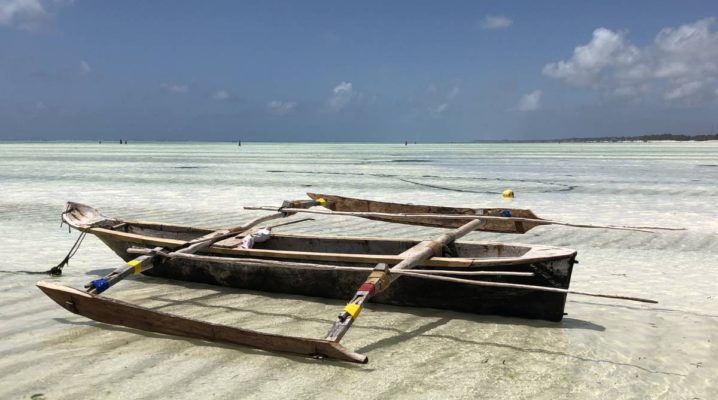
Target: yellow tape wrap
<point x="137" y="265"/>
<point x="353" y="310"/>
<point x="321" y="201"/>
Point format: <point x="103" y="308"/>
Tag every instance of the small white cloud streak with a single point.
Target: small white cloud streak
<point x="23" y="14"/>
<point x="438" y="111"/>
<point x="453" y="93"/>
<point x="281" y="107"/>
<point x="175" y="88"/>
<point x="496" y="22"/>
<point x="28" y="14"/>
<point x="85" y="67"/>
<point x="530" y="101"/>
<point x="221" y="95"/>
<point x="681" y="64"/>
<point x="342" y="95"/>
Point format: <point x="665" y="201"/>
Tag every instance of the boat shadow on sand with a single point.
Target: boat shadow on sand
<point x="220" y="291"/>
<point x="439" y="318"/>
<point x="163" y="300"/>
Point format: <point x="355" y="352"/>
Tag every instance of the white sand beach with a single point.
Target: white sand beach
<point x="603" y="348"/>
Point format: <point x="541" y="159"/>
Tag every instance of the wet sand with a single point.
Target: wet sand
<point x="602" y="348"/>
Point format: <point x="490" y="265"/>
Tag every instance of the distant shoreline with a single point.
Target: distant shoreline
<point x="603" y="139"/>
<point x="666" y="137"/>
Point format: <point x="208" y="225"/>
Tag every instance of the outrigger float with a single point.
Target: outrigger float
<point x="527" y="281"/>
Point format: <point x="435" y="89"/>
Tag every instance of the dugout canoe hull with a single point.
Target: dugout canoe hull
<point x="550" y="266"/>
<point x="349" y="204"/>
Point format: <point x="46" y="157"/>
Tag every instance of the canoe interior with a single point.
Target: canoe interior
<point x="341" y="245"/>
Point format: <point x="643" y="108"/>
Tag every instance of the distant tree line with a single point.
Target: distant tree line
<point x="642" y="138"/>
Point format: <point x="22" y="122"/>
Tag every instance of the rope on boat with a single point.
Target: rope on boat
<point x="57" y="269"/>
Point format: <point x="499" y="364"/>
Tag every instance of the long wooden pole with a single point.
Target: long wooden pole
<point x="419" y="274"/>
<point x="539" y="221"/>
<point x="380" y="277"/>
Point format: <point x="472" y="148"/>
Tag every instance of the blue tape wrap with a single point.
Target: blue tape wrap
<point x="506" y="213"/>
<point x="100" y="285"/>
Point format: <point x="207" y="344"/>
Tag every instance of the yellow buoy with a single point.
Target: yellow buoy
<point x="321" y="202"/>
<point x="508" y="194"/>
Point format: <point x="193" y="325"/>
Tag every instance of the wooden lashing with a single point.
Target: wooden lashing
<point x="375" y="283"/>
<point x="380" y="277"/>
<point x="135" y="266"/>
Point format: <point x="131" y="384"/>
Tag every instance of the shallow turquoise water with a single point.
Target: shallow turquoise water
<point x="604" y="348"/>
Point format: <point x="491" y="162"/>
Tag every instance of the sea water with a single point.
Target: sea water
<point x="602" y="349"/>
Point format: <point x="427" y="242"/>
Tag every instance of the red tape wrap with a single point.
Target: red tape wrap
<point x="367" y="287"/>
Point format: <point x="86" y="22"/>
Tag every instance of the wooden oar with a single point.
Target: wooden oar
<point x="144" y="262"/>
<point x="409" y="217"/>
<point x="380" y="277"/>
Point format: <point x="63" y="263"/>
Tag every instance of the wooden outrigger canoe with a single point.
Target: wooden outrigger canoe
<point x="331" y="267"/>
<point x="226" y="263"/>
<point x="529" y="281"/>
<point x="514" y="220"/>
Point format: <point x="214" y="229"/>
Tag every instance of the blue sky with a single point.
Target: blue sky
<point x="360" y="71"/>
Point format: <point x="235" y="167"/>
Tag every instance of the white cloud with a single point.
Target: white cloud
<point x="221" y="95"/>
<point x="342" y="95"/>
<point x="85" y="67"/>
<point x="496" y="22"/>
<point x="175" y="88"/>
<point x="606" y="49"/>
<point x="681" y="64"/>
<point x="530" y="101"/>
<point x="23" y="14"/>
<point x="438" y="110"/>
<point x="438" y="99"/>
<point x="281" y="107"/>
<point x="453" y="92"/>
<point x="28" y="14"/>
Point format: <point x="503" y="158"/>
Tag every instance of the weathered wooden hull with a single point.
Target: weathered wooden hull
<point x="348" y="204"/>
<point x="407" y="291"/>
